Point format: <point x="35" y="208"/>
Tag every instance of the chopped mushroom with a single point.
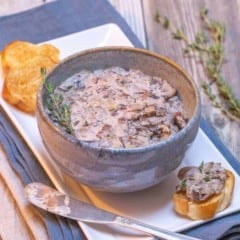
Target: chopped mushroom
<point x="150" y="111"/>
<point x="179" y="120"/>
<point x="136" y="107"/>
<point x="168" y="90"/>
<point x="165" y="131"/>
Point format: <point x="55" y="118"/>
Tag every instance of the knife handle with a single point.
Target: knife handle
<point x="152" y="230"/>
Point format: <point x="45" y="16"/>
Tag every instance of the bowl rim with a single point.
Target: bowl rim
<point x="195" y="117"/>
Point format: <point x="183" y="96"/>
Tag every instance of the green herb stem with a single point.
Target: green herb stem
<point x="58" y="110"/>
<point x="208" y="45"/>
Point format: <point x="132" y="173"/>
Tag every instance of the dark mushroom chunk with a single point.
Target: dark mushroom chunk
<point x="164" y="131"/>
<point x="150" y="111"/>
<point x="179" y="120"/>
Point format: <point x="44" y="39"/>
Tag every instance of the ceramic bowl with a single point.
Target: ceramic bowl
<point x="119" y="169"/>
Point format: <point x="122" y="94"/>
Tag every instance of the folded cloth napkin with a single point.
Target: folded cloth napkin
<point x="51" y="21"/>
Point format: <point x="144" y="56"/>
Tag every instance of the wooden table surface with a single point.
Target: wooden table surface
<point x="140" y="16"/>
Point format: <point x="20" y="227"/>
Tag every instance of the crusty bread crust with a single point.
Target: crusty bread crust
<point x="20" y="65"/>
<point x="208" y="208"/>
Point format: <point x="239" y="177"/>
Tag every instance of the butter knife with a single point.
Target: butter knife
<point x="61" y="204"/>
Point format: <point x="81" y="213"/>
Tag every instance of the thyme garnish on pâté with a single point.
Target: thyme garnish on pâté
<point x="208" y="47"/>
<point x="58" y="111"/>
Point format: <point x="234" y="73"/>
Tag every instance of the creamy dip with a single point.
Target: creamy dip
<point x="115" y="107"/>
<point x="200" y="183"/>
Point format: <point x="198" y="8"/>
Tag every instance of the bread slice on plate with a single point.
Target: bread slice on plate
<point x="20" y="65"/>
<point x="208" y="208"/>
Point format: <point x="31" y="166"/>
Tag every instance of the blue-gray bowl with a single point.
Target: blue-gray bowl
<point x="119" y="169"/>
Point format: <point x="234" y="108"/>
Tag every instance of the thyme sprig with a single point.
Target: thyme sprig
<point x="58" y="111"/>
<point x="208" y="46"/>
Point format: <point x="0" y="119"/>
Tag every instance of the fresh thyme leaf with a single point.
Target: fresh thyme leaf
<point x="43" y="72"/>
<point x="50" y="88"/>
<point x="208" y="91"/>
<point x="178" y="34"/>
<point x="207" y="178"/>
<point x="200" y="38"/>
<point x="183" y="184"/>
<point x="208" y="46"/>
<point x="166" y="23"/>
<point x="201" y="167"/>
<point x="157" y="17"/>
<point x="57" y="110"/>
<point x="203" y="11"/>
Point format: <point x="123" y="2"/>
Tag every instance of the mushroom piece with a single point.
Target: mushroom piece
<point x="150" y="111"/>
<point x="179" y="120"/>
<point x="136" y="107"/>
<point x="165" y="131"/>
<point x="132" y="116"/>
<point x="168" y="90"/>
<point x="188" y="172"/>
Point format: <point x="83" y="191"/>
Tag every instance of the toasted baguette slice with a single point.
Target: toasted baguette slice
<point x="208" y="208"/>
<point x="21" y="63"/>
<point x="18" y="52"/>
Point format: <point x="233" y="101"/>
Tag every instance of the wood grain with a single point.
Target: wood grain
<point x="131" y="11"/>
<point x="184" y="14"/>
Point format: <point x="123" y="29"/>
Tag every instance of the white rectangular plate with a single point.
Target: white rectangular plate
<point x="154" y="205"/>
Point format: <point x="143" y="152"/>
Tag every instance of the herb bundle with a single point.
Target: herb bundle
<point x="58" y="111"/>
<point x="208" y="46"/>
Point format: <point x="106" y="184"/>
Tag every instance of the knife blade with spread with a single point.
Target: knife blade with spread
<point x="61" y="204"/>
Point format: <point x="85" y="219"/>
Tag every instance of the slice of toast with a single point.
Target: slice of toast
<point x="21" y="63"/>
<point x="208" y="208"/>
